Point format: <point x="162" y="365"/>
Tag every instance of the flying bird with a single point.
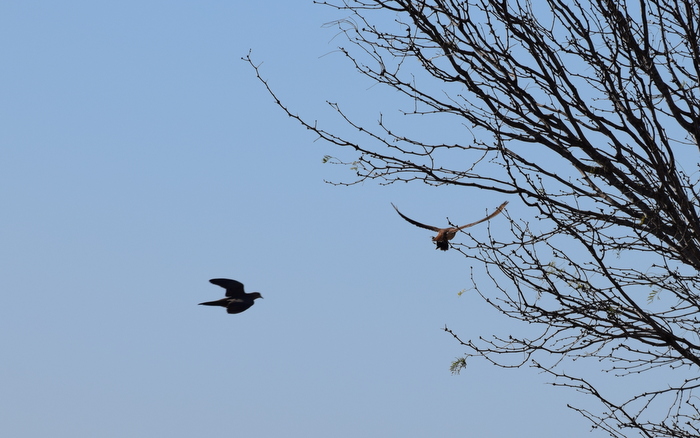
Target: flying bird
<point x="236" y="300"/>
<point x="446" y="234"/>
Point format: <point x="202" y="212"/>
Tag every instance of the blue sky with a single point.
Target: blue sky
<point x="139" y="157"/>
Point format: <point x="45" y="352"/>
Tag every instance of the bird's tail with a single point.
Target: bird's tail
<point x="443" y="245"/>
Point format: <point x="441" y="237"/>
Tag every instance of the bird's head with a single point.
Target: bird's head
<point x="255" y="295"/>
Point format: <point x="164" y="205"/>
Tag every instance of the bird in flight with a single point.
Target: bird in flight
<point x="236" y="300"/>
<point x="446" y="234"/>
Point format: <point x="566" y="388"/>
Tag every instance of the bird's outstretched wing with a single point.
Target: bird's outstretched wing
<point x="498" y="210"/>
<point x="234" y="289"/>
<point x="416" y="223"/>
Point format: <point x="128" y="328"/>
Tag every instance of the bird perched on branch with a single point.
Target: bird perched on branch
<point x="236" y="300"/>
<point x="446" y="234"/>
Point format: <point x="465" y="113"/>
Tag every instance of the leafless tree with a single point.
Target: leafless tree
<point x="587" y="111"/>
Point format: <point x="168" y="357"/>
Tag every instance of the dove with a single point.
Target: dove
<point x="237" y="300"/>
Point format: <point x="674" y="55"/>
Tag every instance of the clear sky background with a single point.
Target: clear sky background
<point x="140" y="157"/>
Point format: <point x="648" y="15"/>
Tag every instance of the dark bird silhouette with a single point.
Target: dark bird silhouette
<point x="446" y="234"/>
<point x="236" y="300"/>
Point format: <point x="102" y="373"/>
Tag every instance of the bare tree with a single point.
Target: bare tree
<point x="588" y="112"/>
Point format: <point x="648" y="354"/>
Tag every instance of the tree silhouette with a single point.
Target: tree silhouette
<point x="588" y="113"/>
